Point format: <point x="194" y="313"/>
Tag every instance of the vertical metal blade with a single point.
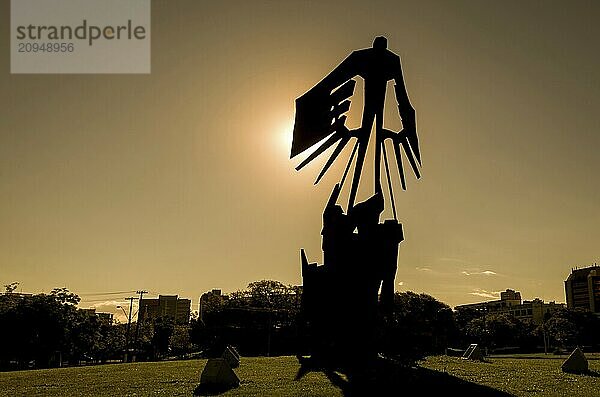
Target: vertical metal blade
<point x="362" y="150"/>
<point x="410" y="156"/>
<point x="399" y="162"/>
<point x="389" y="179"/>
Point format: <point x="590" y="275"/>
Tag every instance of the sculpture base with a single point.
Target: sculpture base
<point x="341" y="310"/>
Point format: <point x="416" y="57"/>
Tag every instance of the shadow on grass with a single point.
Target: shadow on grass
<point x="593" y="374"/>
<point x="210" y="390"/>
<point x="389" y="377"/>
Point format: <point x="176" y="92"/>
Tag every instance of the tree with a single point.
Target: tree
<point x="561" y="331"/>
<point x="210" y="304"/>
<point x="111" y="342"/>
<point x="503" y="329"/>
<point x="163" y="329"/>
<point x="84" y="336"/>
<point x="570" y="327"/>
<point x="42" y="329"/>
<point x="260" y="319"/>
<point x="476" y="331"/>
<point x="269" y="294"/>
<point x="38" y="327"/>
<point x="63" y="295"/>
<point x="10" y="288"/>
<point x="180" y="341"/>
<point x="145" y="341"/>
<point x="499" y="330"/>
<point x="420" y="324"/>
<point x="464" y="315"/>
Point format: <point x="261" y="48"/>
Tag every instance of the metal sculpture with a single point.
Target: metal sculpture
<point x="359" y="253"/>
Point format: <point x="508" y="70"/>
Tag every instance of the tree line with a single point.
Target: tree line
<point x="47" y="330"/>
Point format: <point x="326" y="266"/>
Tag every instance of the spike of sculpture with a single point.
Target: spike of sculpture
<point x="359" y="253"/>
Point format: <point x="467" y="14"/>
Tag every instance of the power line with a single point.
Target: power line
<point x="101" y="300"/>
<point x="107" y="293"/>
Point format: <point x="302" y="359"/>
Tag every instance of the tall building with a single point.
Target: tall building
<point x="582" y="289"/>
<point x="165" y="306"/>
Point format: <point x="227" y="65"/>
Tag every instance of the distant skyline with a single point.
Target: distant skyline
<point x="179" y="181"/>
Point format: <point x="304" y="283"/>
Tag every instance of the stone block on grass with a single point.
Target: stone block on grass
<point x="576" y="363"/>
<point x="232" y="357"/>
<point x="217" y="375"/>
<point x="473" y="353"/>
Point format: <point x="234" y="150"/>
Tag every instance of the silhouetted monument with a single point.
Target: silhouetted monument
<point x="341" y="304"/>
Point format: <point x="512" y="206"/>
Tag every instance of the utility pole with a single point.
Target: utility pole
<point x="130" y="299"/>
<point x="137" y="324"/>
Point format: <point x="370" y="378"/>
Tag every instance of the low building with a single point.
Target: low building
<point x="165" y="306"/>
<point x="508" y="299"/>
<point x="534" y="310"/>
<point x="103" y="318"/>
<point x="582" y="289"/>
<point x="510" y="303"/>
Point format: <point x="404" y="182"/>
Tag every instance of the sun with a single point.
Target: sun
<point x="284" y="137"/>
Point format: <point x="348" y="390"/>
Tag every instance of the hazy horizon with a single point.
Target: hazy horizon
<point x="179" y="181"/>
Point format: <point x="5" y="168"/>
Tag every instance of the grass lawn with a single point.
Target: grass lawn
<point x="539" y="376"/>
<point x="260" y="376"/>
<point x="275" y="376"/>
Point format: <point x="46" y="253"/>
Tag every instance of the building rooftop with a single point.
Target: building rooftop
<point x="577" y="273"/>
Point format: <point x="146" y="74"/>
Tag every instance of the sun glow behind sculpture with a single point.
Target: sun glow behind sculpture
<point x="284" y="136"/>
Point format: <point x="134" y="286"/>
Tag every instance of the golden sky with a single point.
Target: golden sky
<point x="180" y="181"/>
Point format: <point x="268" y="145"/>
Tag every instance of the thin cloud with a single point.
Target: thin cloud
<point x="401" y="283"/>
<point x="110" y="306"/>
<point x="485" y="294"/>
<point x="484" y="273"/>
<point x="107" y="304"/>
<point x="423" y="269"/>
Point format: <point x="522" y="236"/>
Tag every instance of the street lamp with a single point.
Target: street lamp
<point x="121" y="307"/>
